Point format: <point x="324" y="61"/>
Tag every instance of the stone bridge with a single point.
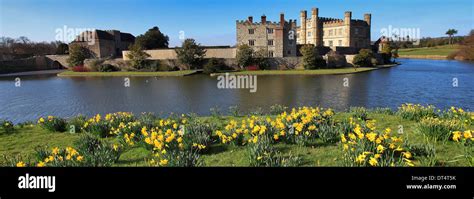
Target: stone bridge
<point x="57" y="61"/>
<point x="35" y="63"/>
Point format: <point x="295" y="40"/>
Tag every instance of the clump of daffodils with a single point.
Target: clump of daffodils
<point x="298" y="126"/>
<point x="56" y="157"/>
<point x="367" y="146"/>
<point x="416" y="112"/>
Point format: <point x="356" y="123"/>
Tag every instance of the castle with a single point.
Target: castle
<point x="109" y="43"/>
<point x="281" y="39"/>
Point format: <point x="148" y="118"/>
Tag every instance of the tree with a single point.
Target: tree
<point x="152" y="39"/>
<point x="62" y="49"/>
<point x="137" y="56"/>
<point x="364" y="58"/>
<point x="77" y="55"/>
<point x="387" y="53"/>
<point x="450" y="33"/>
<point x="260" y="59"/>
<point x="190" y="54"/>
<point x="244" y="55"/>
<point x="311" y="59"/>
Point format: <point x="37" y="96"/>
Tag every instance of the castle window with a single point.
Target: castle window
<point x="270" y="42"/>
<point x="330" y="43"/>
<point x="270" y="30"/>
<point x="309" y="34"/>
<point x="330" y="32"/>
<point x="340" y="31"/>
<point x="290" y="41"/>
<point x="251" y="42"/>
<point x="289" y="52"/>
<point x="339" y="43"/>
<point x="251" y="31"/>
<point x="356" y="31"/>
<point x="270" y="53"/>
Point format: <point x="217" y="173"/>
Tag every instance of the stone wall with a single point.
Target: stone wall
<point x="164" y="54"/>
<point x="29" y="64"/>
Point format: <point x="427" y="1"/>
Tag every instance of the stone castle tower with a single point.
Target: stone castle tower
<point x="322" y="31"/>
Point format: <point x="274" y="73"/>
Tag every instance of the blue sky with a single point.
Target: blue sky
<point x="212" y="22"/>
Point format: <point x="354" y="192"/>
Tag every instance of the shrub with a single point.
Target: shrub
<point x="53" y="124"/>
<point x="107" y="68"/>
<point x="364" y="58"/>
<point x="157" y="65"/>
<point x="416" y="112"/>
<point x="214" y="65"/>
<point x="359" y="112"/>
<point x="94" y="64"/>
<point x="7" y="126"/>
<point x="96" y="152"/>
<point x="438" y="129"/>
<point x="215" y="111"/>
<point x="311" y="58"/>
<point x="260" y="59"/>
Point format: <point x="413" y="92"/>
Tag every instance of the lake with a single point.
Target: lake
<point x="415" y="81"/>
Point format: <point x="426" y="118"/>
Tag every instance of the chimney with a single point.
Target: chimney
<point x="264" y="19"/>
<point x="250" y="19"/>
<point x="282" y="20"/>
<point x="314" y="13"/>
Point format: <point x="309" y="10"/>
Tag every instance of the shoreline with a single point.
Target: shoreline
<point x="338" y="71"/>
<point x="128" y="74"/>
<point x="431" y="57"/>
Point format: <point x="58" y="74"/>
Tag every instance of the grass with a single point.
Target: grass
<point x="127" y="74"/>
<point x="444" y="50"/>
<point x="27" y="138"/>
<point x="302" y="72"/>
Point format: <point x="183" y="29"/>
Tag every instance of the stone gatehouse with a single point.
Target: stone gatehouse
<point x="109" y="43"/>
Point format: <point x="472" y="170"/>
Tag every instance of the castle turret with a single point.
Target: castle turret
<point x="264" y="19"/>
<point x="303" y="26"/>
<point x="250" y="19"/>
<point x="314" y="26"/>
<point x="347" y="25"/>
<point x="367" y="18"/>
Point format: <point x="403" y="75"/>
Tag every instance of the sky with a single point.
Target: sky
<point x="212" y="22"/>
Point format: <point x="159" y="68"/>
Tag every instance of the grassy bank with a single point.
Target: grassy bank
<point x="127" y="74"/>
<point x="337" y="71"/>
<point x="316" y="152"/>
<point x="437" y="52"/>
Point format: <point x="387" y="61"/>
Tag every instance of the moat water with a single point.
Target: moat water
<point x="415" y="81"/>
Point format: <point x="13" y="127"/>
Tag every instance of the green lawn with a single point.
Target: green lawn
<point x="127" y="74"/>
<point x="437" y="50"/>
<point x="27" y="138"/>
<point x="302" y="72"/>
